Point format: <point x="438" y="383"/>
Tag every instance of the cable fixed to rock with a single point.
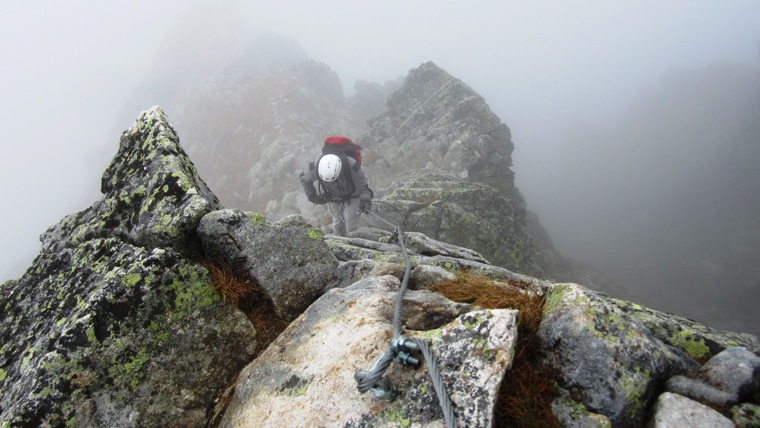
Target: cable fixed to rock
<point x="401" y="349"/>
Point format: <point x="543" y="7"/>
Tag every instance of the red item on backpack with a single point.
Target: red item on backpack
<point x="339" y="145"/>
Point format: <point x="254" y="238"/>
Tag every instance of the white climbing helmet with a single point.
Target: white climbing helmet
<point x="329" y="168"/>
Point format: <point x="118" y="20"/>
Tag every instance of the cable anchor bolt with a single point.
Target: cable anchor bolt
<point x="382" y="388"/>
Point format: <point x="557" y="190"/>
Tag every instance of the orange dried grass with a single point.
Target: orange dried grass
<point x="528" y="389"/>
<point x="233" y="288"/>
<point x="243" y="292"/>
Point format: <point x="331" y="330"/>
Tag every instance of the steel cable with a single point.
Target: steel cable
<point x="400" y="345"/>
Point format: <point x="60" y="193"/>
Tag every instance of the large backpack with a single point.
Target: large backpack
<point x="342" y="146"/>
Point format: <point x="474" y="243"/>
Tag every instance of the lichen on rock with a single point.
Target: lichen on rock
<point x="609" y="356"/>
<point x="307" y="374"/>
<point x="467" y="214"/>
<point x="114" y="324"/>
<point x="291" y="264"/>
<point x="152" y="194"/>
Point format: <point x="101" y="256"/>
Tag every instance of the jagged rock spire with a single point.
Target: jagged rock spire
<point x="114" y="324"/>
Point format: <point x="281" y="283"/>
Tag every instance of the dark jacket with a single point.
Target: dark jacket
<point x="352" y="183"/>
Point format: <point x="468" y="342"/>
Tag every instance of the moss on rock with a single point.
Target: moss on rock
<point x="467" y="214"/>
<point x="114" y="311"/>
<point x="698" y="341"/>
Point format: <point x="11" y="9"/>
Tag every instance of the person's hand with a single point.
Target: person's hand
<point x="365" y="205"/>
<point x="316" y="199"/>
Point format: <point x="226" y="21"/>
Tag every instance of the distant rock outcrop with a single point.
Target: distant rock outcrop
<point x="437" y="123"/>
<point x="254" y="122"/>
<point x="118" y="323"/>
<point x="442" y="161"/>
<point x="427" y="131"/>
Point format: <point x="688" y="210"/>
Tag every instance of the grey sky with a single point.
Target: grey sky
<point x="68" y="69"/>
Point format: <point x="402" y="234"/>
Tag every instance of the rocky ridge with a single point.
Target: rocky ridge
<point x="431" y="129"/>
<point x="118" y="323"/>
<point x="253" y="123"/>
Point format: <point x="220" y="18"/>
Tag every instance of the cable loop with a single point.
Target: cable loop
<point x="401" y="348"/>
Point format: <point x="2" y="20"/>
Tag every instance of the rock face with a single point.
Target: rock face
<point x="114" y="324"/>
<point x="436" y="122"/>
<point x="153" y="196"/>
<point x="254" y="122"/>
<point x="117" y="323"/>
<point x="299" y="265"/>
<point x="468" y="214"/>
<point x="441" y="160"/>
<point x="306" y="377"/>
<point x="430" y="130"/>
<point x="614" y="359"/>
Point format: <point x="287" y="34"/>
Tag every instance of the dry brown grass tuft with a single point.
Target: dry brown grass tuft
<point x="528" y="388"/>
<point x="243" y="292"/>
<point x="232" y="287"/>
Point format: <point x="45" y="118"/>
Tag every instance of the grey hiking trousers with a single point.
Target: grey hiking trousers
<point x="345" y="216"/>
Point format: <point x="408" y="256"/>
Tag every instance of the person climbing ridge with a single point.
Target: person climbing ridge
<point x="341" y="181"/>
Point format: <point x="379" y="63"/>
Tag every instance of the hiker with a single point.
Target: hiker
<point x="341" y="182"/>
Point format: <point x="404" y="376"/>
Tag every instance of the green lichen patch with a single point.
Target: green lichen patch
<point x="691" y="344"/>
<point x="315" y="233"/>
<point x="295" y="385"/>
<point x="129" y="373"/>
<point x="91" y="337"/>
<point x="555" y="297"/>
<point x="131" y="279"/>
<point x="257" y="219"/>
<point x="698" y="341"/>
<point x="193" y="290"/>
<point x="746" y="415"/>
<point x="392" y="416"/>
<point x="431" y="334"/>
<point x="634" y="385"/>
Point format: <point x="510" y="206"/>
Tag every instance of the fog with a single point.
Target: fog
<point x="559" y="74"/>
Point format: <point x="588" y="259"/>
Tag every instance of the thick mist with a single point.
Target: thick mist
<point x="615" y="111"/>
<point x="665" y="201"/>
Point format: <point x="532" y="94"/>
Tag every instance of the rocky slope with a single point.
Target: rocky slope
<point x="253" y="122"/>
<point x="253" y="129"/>
<point x="118" y="323"/>
<point x="115" y="323"/>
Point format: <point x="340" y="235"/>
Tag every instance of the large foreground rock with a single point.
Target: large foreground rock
<point x="114" y="324"/>
<point x="614" y="360"/>
<point x="306" y="377"/>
